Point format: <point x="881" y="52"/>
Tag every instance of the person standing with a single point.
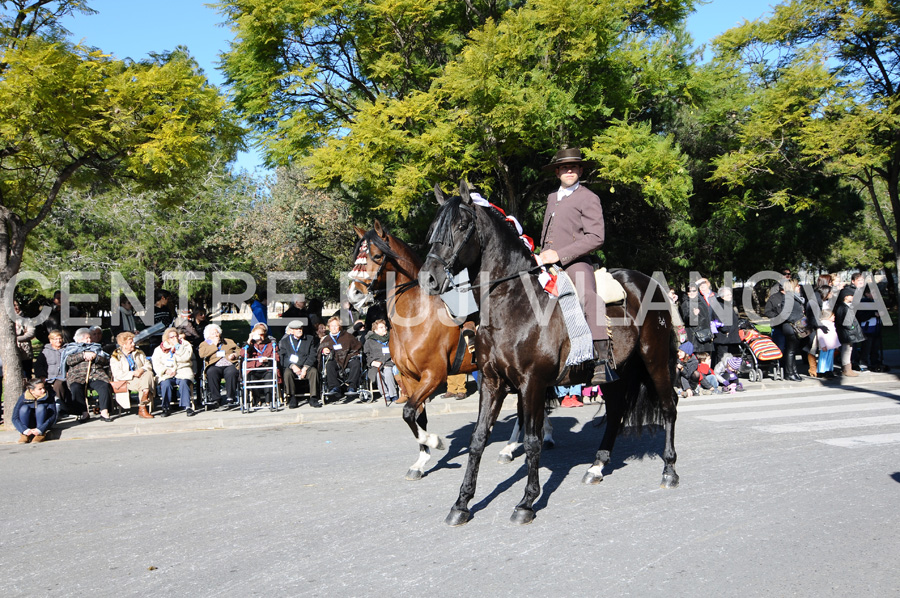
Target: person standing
<point x="574" y="229"/>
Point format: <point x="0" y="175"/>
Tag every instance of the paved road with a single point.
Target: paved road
<point x="792" y="492"/>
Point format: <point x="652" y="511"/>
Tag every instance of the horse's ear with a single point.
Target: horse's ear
<point x="379" y="230"/>
<point x="464" y="192"/>
<point x="360" y="232"/>
<point x="438" y="194"/>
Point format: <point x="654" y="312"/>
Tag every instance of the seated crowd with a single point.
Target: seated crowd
<point x="169" y="379"/>
<point x="325" y="357"/>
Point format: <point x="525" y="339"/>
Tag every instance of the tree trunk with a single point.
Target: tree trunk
<point x="897" y="287"/>
<point x="12" y="369"/>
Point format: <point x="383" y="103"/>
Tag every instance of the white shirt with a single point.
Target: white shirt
<point x="566" y="191"/>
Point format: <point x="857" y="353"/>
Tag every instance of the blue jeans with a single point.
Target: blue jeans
<point x="42" y="416"/>
<point x="167" y="387"/>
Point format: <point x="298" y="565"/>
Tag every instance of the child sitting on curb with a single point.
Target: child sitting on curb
<point x="688" y="376"/>
<point x="730" y="374"/>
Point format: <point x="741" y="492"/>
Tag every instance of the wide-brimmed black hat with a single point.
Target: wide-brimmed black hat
<point x="571" y="155"/>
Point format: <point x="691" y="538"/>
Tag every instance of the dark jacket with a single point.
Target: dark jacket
<point x="374" y="350"/>
<point x="728" y="332"/>
<point x="350" y="347"/>
<point x="778" y="302"/>
<point x="697" y="326"/>
<point x="304" y="348"/>
<point x="48" y="401"/>
<point x="849" y="333"/>
<point x="573" y="226"/>
<point x="690" y="365"/>
<point x="77" y="368"/>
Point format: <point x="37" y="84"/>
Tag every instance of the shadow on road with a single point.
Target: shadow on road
<point x="576" y="448"/>
<point x="896" y="476"/>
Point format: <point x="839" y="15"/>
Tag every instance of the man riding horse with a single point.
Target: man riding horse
<point x="573" y="230"/>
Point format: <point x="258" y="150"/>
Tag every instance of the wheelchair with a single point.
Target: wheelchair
<point x="217" y="399"/>
<point x="268" y="383"/>
<point x="363" y="394"/>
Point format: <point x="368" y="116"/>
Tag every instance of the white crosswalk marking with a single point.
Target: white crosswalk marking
<point x="773" y="402"/>
<point x="736" y="417"/>
<point x="808" y="411"/>
<point x="830" y="424"/>
<point x="858" y="441"/>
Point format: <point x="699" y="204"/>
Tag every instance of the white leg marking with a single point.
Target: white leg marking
<point x="548" y="431"/>
<point x="430" y="440"/>
<point x="509" y="449"/>
<point x="424" y="456"/>
<point x="596" y="470"/>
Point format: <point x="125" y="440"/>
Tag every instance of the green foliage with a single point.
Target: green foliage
<point x="401" y="94"/>
<point x="823" y="96"/>
<point x="292" y="228"/>
<point x="132" y="233"/>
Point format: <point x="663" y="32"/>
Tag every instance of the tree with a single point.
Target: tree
<point x="825" y="78"/>
<point x="73" y="117"/>
<point x="385" y="98"/>
<point x="293" y="228"/>
<point x="119" y="231"/>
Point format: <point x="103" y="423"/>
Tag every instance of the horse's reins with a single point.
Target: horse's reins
<point x="450" y="262"/>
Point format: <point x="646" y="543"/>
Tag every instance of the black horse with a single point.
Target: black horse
<point x="519" y="351"/>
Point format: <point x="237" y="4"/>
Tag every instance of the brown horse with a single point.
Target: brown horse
<point x="424" y="341"/>
<point x="523" y="344"/>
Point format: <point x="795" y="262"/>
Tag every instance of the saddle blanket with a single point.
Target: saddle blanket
<point x="581" y="346"/>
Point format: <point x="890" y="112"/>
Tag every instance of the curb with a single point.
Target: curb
<point x="131" y="425"/>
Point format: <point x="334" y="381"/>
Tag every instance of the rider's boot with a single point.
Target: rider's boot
<point x="602" y="372"/>
<point x="468" y="332"/>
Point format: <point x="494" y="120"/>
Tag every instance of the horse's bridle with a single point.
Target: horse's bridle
<point x="449" y="263"/>
<point x="368" y="285"/>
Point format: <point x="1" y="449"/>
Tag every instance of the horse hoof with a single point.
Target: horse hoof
<point x="549" y="444"/>
<point x="669" y="481"/>
<point x="414" y="474"/>
<point x="591" y="478"/>
<point x="504" y="459"/>
<point x="457" y="517"/>
<point x="522" y="516"/>
<point x="439" y="446"/>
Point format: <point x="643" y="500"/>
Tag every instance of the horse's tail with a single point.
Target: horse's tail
<point x="643" y="406"/>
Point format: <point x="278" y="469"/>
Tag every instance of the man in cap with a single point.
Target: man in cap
<point x="297" y="353"/>
<point x="573" y="230"/>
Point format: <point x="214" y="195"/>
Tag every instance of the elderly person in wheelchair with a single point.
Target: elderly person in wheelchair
<point x="340" y="351"/>
<point x="381" y="367"/>
<point x="219" y="358"/>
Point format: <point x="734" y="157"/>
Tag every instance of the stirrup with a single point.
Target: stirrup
<point x="603" y="374"/>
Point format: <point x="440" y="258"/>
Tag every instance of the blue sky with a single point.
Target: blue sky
<point x="133" y="28"/>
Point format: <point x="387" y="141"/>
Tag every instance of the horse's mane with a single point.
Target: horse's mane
<point x="510" y="241"/>
<point x="448" y="213"/>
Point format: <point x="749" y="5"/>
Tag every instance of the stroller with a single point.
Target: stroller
<point x="758" y="352"/>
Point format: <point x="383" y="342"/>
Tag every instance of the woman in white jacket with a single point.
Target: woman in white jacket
<point x="172" y="364"/>
<point x="132" y="372"/>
